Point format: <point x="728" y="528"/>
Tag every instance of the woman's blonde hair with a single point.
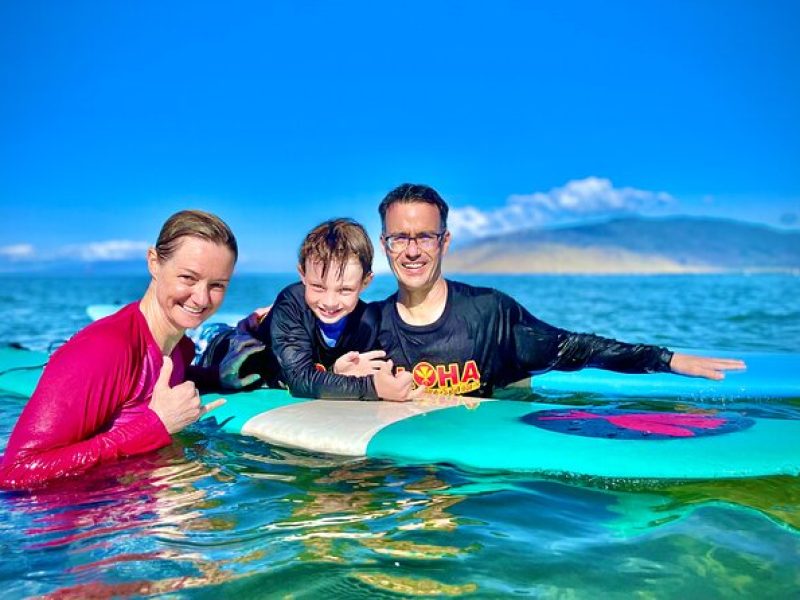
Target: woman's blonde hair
<point x="194" y="223"/>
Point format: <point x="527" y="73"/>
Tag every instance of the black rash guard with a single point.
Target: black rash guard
<point x="485" y="339"/>
<point x="297" y="355"/>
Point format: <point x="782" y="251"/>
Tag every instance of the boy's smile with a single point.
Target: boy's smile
<point x="334" y="295"/>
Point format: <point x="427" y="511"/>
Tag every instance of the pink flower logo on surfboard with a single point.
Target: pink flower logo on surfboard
<point x="614" y="423"/>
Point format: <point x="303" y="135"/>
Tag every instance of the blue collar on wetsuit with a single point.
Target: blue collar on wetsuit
<point x="332" y="331"/>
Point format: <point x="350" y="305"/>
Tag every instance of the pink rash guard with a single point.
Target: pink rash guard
<point x="91" y="404"/>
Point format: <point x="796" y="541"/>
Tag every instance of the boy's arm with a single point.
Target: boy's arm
<point x="223" y="372"/>
<point x="292" y="338"/>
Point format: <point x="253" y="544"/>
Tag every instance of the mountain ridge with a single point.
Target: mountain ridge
<point x="634" y="245"/>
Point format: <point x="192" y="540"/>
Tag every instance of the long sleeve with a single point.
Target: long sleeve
<point x="72" y="422"/>
<point x="540" y="347"/>
<point x="34" y="466"/>
<point x="291" y="336"/>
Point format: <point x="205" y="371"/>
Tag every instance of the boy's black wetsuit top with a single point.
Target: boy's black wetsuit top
<point x="484" y="339"/>
<point x="298" y="356"/>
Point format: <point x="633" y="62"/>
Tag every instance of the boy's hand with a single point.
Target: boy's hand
<point x="242" y="346"/>
<point x="357" y="364"/>
<point x="251" y="322"/>
<point x="395" y="388"/>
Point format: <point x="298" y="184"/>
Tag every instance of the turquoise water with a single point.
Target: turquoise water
<point x="225" y="516"/>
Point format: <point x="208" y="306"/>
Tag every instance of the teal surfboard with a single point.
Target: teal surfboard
<point x="499" y="435"/>
<point x="766" y="376"/>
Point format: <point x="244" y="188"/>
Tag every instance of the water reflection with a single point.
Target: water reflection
<point x="264" y="521"/>
<point x="220" y="510"/>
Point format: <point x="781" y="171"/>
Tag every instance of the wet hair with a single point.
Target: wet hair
<point x="198" y="224"/>
<point x="414" y="192"/>
<point x="337" y="241"/>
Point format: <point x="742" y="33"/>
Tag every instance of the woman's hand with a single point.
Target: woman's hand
<point x="178" y="406"/>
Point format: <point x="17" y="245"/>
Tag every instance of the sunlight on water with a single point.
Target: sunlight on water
<point x="228" y="516"/>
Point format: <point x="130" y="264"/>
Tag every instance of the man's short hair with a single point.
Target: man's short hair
<point x="414" y="192"/>
<point x="337" y="241"/>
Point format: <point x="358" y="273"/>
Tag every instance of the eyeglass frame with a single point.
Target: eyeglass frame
<point x="390" y="240"/>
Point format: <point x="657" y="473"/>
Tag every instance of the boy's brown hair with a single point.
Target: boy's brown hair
<point x="337" y="241"/>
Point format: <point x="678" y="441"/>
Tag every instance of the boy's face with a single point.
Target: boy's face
<point x="332" y="297"/>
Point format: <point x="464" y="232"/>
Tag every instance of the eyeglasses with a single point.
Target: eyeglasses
<point x="427" y="240"/>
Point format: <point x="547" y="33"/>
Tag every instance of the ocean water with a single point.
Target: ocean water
<point x="223" y="516"/>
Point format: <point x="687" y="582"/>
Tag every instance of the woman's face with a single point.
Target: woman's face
<point x="191" y="284"/>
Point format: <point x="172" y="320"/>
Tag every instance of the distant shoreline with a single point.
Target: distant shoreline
<point x="765" y="271"/>
<point x="643" y="271"/>
<point x="635" y="246"/>
<point x="449" y="273"/>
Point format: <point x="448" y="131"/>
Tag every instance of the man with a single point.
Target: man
<point x="460" y="339"/>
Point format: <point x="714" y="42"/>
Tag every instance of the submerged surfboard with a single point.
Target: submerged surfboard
<point x="499" y="435"/>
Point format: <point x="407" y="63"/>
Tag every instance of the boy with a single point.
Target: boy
<point x="319" y="336"/>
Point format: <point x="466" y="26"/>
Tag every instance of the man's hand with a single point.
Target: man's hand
<point x="178" y="406"/>
<point x="242" y="346"/>
<point x="395" y="388"/>
<point x="359" y="364"/>
<point x="702" y="366"/>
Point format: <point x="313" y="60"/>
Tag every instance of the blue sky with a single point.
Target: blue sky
<point x="279" y="115"/>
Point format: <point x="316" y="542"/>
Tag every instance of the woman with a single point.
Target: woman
<point x="117" y="388"/>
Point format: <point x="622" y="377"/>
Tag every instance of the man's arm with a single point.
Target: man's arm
<point x="541" y="347"/>
<point x="292" y="343"/>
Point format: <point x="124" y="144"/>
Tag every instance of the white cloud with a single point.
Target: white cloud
<point x="109" y="250"/>
<point x="580" y="198"/>
<point x="17" y="252"/>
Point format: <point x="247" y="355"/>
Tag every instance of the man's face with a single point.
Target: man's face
<point x="335" y="295"/>
<point x="415" y="266"/>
